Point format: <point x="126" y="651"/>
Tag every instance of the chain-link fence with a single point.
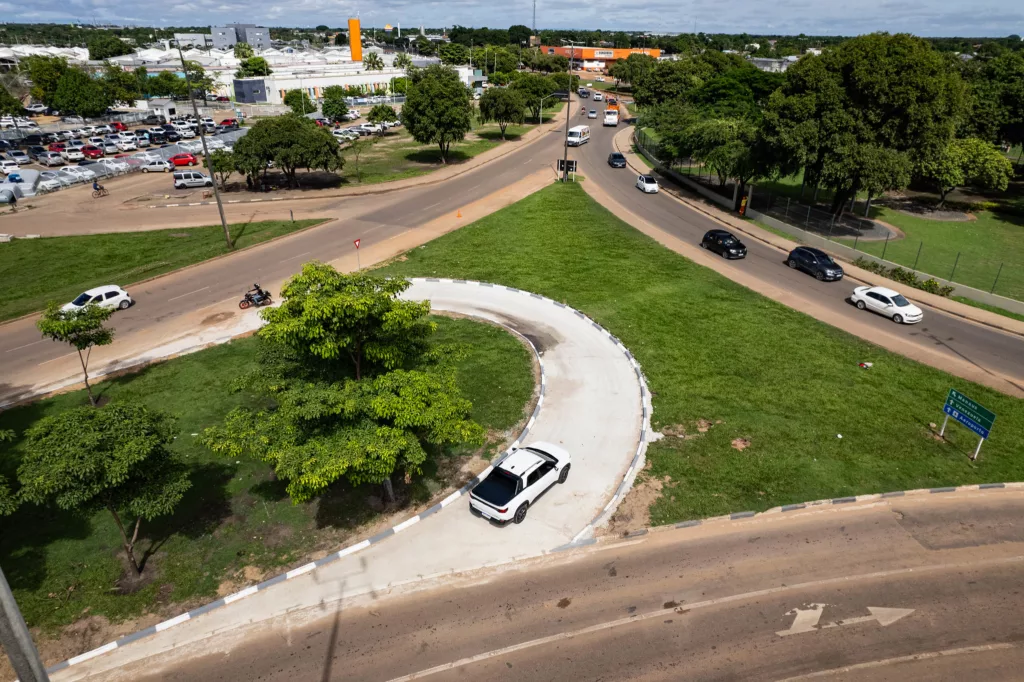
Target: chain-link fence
<point x="944" y="261"/>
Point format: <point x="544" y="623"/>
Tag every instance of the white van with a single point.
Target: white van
<point x="577" y="136"/>
<point x="183" y="179"/>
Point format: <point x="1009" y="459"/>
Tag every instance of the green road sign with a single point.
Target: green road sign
<point x="964" y="405"/>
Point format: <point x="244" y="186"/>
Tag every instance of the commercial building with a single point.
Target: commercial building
<point x="187" y="40"/>
<point x="597" y="58"/>
<point x="226" y="37"/>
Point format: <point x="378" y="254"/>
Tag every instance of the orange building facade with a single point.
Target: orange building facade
<point x="598" y="54"/>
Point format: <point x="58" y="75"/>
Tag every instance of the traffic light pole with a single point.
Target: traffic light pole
<point x="16" y="641"/>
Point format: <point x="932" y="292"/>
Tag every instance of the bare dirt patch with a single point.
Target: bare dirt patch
<point x="216" y="318"/>
<point x="740" y="443"/>
<point x="634" y="512"/>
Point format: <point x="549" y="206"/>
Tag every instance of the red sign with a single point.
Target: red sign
<point x="356" y="242"/>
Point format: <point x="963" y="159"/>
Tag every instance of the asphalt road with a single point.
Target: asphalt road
<point x="941" y="572"/>
<point x="985" y="347"/>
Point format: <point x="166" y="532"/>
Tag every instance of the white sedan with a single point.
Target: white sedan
<point x="81" y="173"/>
<point x="887" y="302"/>
<point x="647" y="183"/>
<point x="107" y="296"/>
<point x="517" y="481"/>
<point x="8" y="166"/>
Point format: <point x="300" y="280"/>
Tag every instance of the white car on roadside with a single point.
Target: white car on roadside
<point x="647" y="183"/>
<point x="156" y="166"/>
<point x="887" y="302"/>
<point x="81" y="173"/>
<point x="517" y="481"/>
<point x="107" y="296"/>
<point x="72" y="154"/>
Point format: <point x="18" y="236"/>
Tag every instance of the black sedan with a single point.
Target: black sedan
<point x="724" y="244"/>
<point x="815" y="262"/>
<point x="616" y="160"/>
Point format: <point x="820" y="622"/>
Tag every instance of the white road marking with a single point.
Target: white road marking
<point x="25" y="346"/>
<point x="806" y="619"/>
<point x="299" y="256"/>
<point x="661" y="613"/>
<point x="188" y="294"/>
<point x="902" y="659"/>
<point x="56" y="359"/>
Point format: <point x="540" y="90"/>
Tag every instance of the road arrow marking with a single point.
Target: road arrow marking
<point x="806" y="618"/>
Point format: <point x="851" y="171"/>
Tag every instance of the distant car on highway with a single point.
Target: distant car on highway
<point x="647" y="183"/>
<point x="518" y="480"/>
<point x="107" y="296"/>
<point x="723" y="243"/>
<point x="598" y="97"/>
<point x="592" y="113"/>
<point x="887" y="302"/>
<point x="617" y="160"/>
<point x="815" y="262"/>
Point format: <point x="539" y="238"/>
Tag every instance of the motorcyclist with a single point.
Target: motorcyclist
<point x="258" y="293"/>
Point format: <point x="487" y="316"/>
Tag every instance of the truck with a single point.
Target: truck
<point x="611" y="117"/>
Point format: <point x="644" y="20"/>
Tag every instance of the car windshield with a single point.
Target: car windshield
<point x="825" y="259"/>
<point x="900" y="301"/>
<point x="498" y="488"/>
<point x="82" y="299"/>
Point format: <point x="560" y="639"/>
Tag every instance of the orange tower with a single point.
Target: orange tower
<point x="355" y="40"/>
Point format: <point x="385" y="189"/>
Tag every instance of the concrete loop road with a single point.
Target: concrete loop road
<point x="592" y="406"/>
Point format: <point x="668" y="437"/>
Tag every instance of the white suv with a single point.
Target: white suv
<point x="518" y="480"/>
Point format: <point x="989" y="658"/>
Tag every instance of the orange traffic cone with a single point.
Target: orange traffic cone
<point x="459" y="214"/>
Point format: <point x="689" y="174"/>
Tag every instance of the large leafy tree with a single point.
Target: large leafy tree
<point x="997" y="99"/>
<point x="373" y="62"/>
<point x="669" y="81"/>
<point x="334" y="106"/>
<point x="121" y="86"/>
<point x="167" y="84"/>
<point x="8" y="499"/>
<point x="402" y="61"/>
<point x="967" y="162"/>
<point x="9" y="104"/>
<point x="534" y="87"/>
<point x="322" y="424"/>
<point x="437" y="109"/>
<point x="115" y="458"/>
<point x="45" y="73"/>
<point x="382" y="113"/>
<point x="290" y="142"/>
<point x="81" y="328"/>
<point x="504" y="106"/>
<point x="299" y="101"/>
<point x="519" y="34"/>
<point x="81" y="94"/>
<point x="200" y="81"/>
<point x="107" y="45"/>
<point x="222" y="164"/>
<point x="253" y="66"/>
<point x="453" y="54"/>
<point x="243" y="51"/>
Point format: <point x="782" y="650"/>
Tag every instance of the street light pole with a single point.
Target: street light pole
<point x="568" y="105"/>
<point x="206" y="152"/>
<point x="16" y="640"/>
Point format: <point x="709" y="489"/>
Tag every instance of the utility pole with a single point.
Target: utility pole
<point x="16" y="640"/>
<point x="534" y="18"/>
<point x="206" y="152"/>
<point x="568" y="105"/>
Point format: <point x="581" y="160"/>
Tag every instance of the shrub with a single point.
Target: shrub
<point x="904" y="276"/>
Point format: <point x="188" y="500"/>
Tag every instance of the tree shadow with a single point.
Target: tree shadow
<point x="344" y="506"/>
<point x="434" y="156"/>
<point x="25" y="536"/>
<point x="495" y="135"/>
<point x="270" y="490"/>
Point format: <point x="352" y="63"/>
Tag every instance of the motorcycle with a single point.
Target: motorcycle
<point x="256" y="298"/>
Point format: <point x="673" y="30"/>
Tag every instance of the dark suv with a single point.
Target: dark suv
<point x="815" y="262"/>
<point x="616" y="160"/>
<point x="724" y="243"/>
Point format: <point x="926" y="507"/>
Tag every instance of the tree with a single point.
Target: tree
<point x="45" y="73"/>
<point x="253" y="66"/>
<point x="967" y="162"/>
<point x="437" y="109"/>
<point x="121" y="86"/>
<point x="107" y="45"/>
<point x="519" y="34"/>
<point x="334" y="106"/>
<point x="141" y="74"/>
<point x="400" y="86"/>
<point x="534" y="87"/>
<point x="167" y="84"/>
<point x="667" y="81"/>
<point x="243" y="51"/>
<point x="8" y="499"/>
<point x="323" y="425"/>
<point x="373" y="62"/>
<point x="356" y="147"/>
<point x="221" y="163"/>
<point x="78" y="93"/>
<point x="503" y="106"/>
<point x="299" y="102"/>
<point x="9" y="104"/>
<point x="564" y="83"/>
<point x="290" y="142"/>
<point x="200" y="81"/>
<point x="453" y="54"/>
<point x="116" y="458"/>
<point x="81" y="327"/>
<point x="402" y="61"/>
<point x="382" y="113"/>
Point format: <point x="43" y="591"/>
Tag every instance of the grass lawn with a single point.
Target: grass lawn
<point x="718" y="353"/>
<point x="35" y="271"/>
<point x="993" y="239"/>
<point x="773" y="230"/>
<point x="61" y="566"/>
<point x="990" y="308"/>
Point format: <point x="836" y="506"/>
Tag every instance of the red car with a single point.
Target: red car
<point x="118" y="126"/>
<point x="184" y="160"/>
<point x="57" y="147"/>
<point x="91" y="152"/>
<point x="229" y="122"/>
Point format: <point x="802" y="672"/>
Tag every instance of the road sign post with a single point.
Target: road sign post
<point x="358" y="266"/>
<point x="970" y="414"/>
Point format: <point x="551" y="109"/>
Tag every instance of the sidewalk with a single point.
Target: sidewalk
<point x="623" y="143"/>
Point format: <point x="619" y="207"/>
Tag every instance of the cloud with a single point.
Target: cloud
<point x="923" y="17"/>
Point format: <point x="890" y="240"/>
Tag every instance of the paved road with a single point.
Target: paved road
<point x="984" y="347"/>
<point x="711" y="603"/>
<point x="591" y="406"/>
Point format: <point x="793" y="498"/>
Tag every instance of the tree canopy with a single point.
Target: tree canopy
<point x="300" y="102"/>
<point x="107" y="45"/>
<point x="373" y="62"/>
<point x="290" y="142"/>
<point x="534" y="87"/>
<point x="437" y="108"/>
<point x="253" y="66"/>
<point x="334" y="106"/>
<point x="967" y="161"/>
<point x="82" y="328"/>
<point x="504" y="106"/>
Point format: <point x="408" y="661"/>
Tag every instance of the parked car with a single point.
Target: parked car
<point x="7" y="166"/>
<point x="187" y="132"/>
<point x="147" y="156"/>
<point x="223" y="98"/>
<point x="19" y="157"/>
<point x="887" y="302"/>
<point x="102" y="129"/>
<point x="107" y="296"/>
<point x="191" y="146"/>
<point x="142" y="140"/>
<point x="723" y="243"/>
<point x="97" y="141"/>
<point x="126" y="145"/>
<point x="92" y="152"/>
<point x="153" y="119"/>
<point x="647" y="183"/>
<point x="62" y="179"/>
<point x="156" y="166"/>
<point x="184" y="160"/>
<point x="35" y="151"/>
<point x="37" y="109"/>
<point x="72" y="154"/>
<point x="48" y="185"/>
<point x="518" y="480"/>
<point x="118" y="126"/>
<point x="183" y="179"/>
<point x="78" y="172"/>
<point x="115" y="165"/>
<point x="815" y="262"/>
<point x="77" y="144"/>
<point x="232" y="122"/>
<point x="50" y="159"/>
<point x="109" y="147"/>
<point x="56" y="147"/>
<point x="617" y="160"/>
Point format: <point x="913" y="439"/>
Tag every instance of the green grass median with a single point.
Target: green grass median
<point x="35" y="271"/>
<point x="757" y="395"/>
<point x="235" y="525"/>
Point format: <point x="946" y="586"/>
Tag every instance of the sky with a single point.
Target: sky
<point x="996" y="18"/>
